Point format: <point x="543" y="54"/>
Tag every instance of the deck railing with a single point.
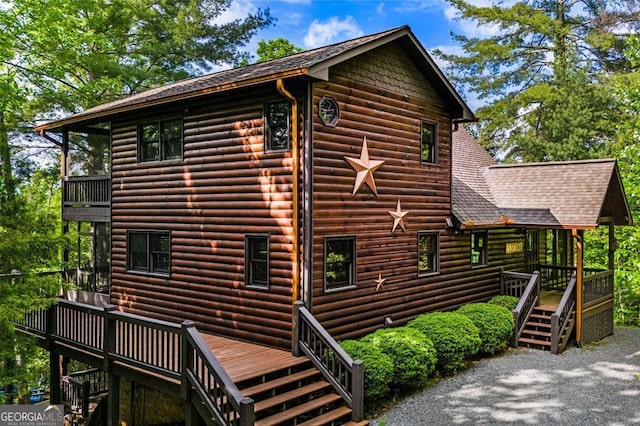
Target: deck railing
<point x="78" y="388"/>
<point x="175" y="352"/>
<point x="86" y="191"/>
<point x="211" y="383"/>
<point x="345" y="374"/>
<point x="513" y="283"/>
<point x="555" y="277"/>
<point x="528" y="301"/>
<point x="560" y="318"/>
<point x="597" y="286"/>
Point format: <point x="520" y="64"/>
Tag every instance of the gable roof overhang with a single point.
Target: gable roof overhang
<point x="313" y="64"/>
<point x="572" y="194"/>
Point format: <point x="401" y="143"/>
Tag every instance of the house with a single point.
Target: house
<point x="290" y="204"/>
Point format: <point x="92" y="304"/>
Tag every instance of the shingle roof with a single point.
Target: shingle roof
<point x="313" y="63"/>
<point x="569" y="194"/>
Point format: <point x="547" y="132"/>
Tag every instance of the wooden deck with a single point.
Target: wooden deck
<point x="243" y="360"/>
<point x="550" y="299"/>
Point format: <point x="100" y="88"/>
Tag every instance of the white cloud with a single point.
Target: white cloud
<point x="332" y="30"/>
<point x="380" y="9"/>
<point x="418" y="6"/>
<point x="471" y="28"/>
<point x="238" y="9"/>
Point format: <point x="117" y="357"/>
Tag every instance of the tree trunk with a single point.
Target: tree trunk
<point x="8" y="182"/>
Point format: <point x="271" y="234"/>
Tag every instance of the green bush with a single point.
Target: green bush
<point x="508" y="302"/>
<point x="453" y="335"/>
<point x="413" y="354"/>
<point x="377" y="369"/>
<point x="494" y="322"/>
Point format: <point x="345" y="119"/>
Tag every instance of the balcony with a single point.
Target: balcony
<point x="86" y="198"/>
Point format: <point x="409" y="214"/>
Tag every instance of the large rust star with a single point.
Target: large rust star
<point x="364" y="169"/>
<point x="398" y="217"/>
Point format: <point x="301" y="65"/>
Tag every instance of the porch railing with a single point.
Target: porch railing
<point x="345" y="374"/>
<point x="78" y="388"/>
<point x="597" y="286"/>
<point x="513" y="283"/>
<point x="528" y="301"/>
<point x="560" y="318"/>
<point x="171" y="350"/>
<point x="86" y="191"/>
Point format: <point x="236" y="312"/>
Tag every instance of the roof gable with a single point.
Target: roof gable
<point x="571" y="194"/>
<point x="314" y="64"/>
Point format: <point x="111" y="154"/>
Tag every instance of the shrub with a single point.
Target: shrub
<point x="508" y="302"/>
<point x="494" y="322"/>
<point x="377" y="369"/>
<point x="453" y="335"/>
<point x="413" y="354"/>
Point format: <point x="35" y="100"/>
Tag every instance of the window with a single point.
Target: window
<point x="427" y="253"/>
<point x="532" y="249"/>
<point x="149" y="252"/>
<point x="257" y="261"/>
<point x="478" y="248"/>
<point x="339" y="263"/>
<point x="160" y="140"/>
<point x="277" y="126"/>
<point x="428" y="140"/>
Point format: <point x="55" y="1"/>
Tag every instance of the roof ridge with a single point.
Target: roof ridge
<point x="553" y="163"/>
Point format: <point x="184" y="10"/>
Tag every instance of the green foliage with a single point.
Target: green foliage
<point x="509" y="302"/>
<point x="545" y="74"/>
<point x="453" y="335"/>
<point x="276" y="48"/>
<point x="378" y="368"/>
<point x="413" y="354"/>
<point x="495" y="324"/>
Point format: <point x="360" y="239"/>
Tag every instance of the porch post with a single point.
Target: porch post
<point x="579" y="274"/>
<point x="612" y="245"/>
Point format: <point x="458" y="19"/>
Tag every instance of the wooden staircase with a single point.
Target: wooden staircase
<point x="537" y="331"/>
<point x="296" y="394"/>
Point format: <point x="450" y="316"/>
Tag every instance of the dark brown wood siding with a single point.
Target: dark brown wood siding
<point x="389" y="114"/>
<point x="224" y="188"/>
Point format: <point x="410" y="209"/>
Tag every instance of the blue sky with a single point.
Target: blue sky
<point x="313" y="23"/>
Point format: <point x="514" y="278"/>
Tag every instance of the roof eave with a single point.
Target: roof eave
<point x="58" y="125"/>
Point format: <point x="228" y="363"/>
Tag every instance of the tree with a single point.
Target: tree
<point x="545" y="74"/>
<point x="276" y="48"/>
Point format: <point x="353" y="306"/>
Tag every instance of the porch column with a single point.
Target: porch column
<point x="578" y="235"/>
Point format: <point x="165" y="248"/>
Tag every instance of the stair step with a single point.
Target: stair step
<point x="360" y="423"/>
<point x="537" y="333"/>
<point x="327" y="417"/>
<point x="537" y="324"/>
<point x="294" y="412"/>
<point x="541" y="317"/>
<point x="534" y="342"/>
<point x="291" y="395"/>
<point x="282" y="381"/>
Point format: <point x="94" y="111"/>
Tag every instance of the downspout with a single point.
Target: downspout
<point x="295" y="157"/>
<point x="579" y="273"/>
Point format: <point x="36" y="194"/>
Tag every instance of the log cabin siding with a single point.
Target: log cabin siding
<point x="223" y="188"/>
<point x="389" y="114"/>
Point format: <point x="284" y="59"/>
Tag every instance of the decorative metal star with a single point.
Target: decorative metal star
<point x="380" y="282"/>
<point x="398" y="217"/>
<point x="364" y="169"/>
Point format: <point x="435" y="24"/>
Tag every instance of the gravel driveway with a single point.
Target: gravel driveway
<point x="597" y="385"/>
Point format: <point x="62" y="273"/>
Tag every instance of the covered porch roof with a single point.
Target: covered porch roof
<point x="569" y="194"/>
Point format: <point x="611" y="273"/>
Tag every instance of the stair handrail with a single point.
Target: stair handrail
<point x="338" y="368"/>
<point x="562" y="315"/>
<point x="220" y="398"/>
<point x="528" y="301"/>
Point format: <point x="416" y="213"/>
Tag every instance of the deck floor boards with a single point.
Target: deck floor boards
<point x="243" y="360"/>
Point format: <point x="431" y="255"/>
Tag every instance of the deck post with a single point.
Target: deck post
<point x="113" y="400"/>
<point x="109" y="338"/>
<point x="578" y="235"/>
<point x="357" y="378"/>
<point x="55" y="378"/>
<point x="187" y="360"/>
<point x="295" y="336"/>
<point x="247" y="412"/>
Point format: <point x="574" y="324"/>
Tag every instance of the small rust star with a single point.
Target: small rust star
<point x="364" y="169"/>
<point x="398" y="217"/>
<point x="380" y="282"/>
